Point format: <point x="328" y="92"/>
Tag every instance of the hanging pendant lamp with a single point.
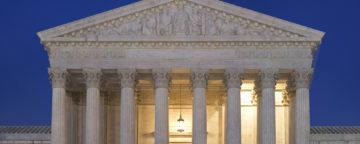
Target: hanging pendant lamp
<point x="180" y="121"/>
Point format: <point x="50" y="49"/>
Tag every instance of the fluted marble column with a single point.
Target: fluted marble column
<point x="127" y="110"/>
<point x="303" y="79"/>
<point x="93" y="103"/>
<point x="161" y="80"/>
<point x="233" y="109"/>
<point x="267" y="108"/>
<point x="58" y="78"/>
<point x="199" y="79"/>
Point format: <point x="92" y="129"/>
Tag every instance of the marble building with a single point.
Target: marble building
<point x="182" y="71"/>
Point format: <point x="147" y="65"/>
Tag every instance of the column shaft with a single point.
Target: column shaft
<point x="233" y="109"/>
<point x="93" y="104"/>
<point x="303" y="77"/>
<point x="161" y="79"/>
<point x="127" y="106"/>
<point x="127" y="110"/>
<point x="58" y="124"/>
<point x="75" y="120"/>
<point x="92" y="133"/>
<point x="103" y="119"/>
<point x="267" y="106"/>
<point x="199" y="82"/>
<point x="302" y="129"/>
<point x="199" y="116"/>
<point x="161" y="116"/>
<point x="259" y="120"/>
<point x="233" y="120"/>
<point x="268" y="116"/>
<point x="292" y="120"/>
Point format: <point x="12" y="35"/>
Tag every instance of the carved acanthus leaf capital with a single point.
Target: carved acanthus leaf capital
<point x="161" y="78"/>
<point x="92" y="77"/>
<point x="254" y="97"/>
<point x="127" y="78"/>
<point x="257" y="91"/>
<point x="199" y="78"/>
<point x="290" y="87"/>
<point x="233" y="78"/>
<point x="285" y="97"/>
<point x="268" y="78"/>
<point x="303" y="77"/>
<point x="59" y="77"/>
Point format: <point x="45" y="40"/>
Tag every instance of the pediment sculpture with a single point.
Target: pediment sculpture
<point x="181" y="18"/>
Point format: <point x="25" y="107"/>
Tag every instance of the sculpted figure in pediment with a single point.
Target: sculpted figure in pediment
<point x="228" y="28"/>
<point x="131" y="28"/>
<point x="180" y="18"/>
<point x="196" y="22"/>
<point x="91" y="34"/>
<point x="210" y="25"/>
<point x="148" y="24"/>
<point x="239" y="27"/>
<point x="165" y="22"/>
<point x="219" y="25"/>
<point x="182" y="21"/>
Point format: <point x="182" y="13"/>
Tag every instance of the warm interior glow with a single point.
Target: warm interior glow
<point x="180" y="131"/>
<point x="181" y="125"/>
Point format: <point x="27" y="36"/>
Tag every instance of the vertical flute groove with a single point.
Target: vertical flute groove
<point x="93" y="116"/>
<point x="161" y="116"/>
<point x="268" y="116"/>
<point x="199" y="115"/>
<point x="233" y="127"/>
<point x="302" y="130"/>
<point x="58" y="128"/>
<point x="127" y="127"/>
<point x="292" y="119"/>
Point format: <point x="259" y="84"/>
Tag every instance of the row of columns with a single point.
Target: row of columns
<point x="265" y="89"/>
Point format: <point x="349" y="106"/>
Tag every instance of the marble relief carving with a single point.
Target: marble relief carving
<point x="233" y="78"/>
<point x="92" y="77"/>
<point x="180" y="18"/>
<point x="59" y="77"/>
<point x="303" y="77"/>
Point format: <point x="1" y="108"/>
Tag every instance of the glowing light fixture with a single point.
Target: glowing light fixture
<point x="181" y="125"/>
<point x="180" y="121"/>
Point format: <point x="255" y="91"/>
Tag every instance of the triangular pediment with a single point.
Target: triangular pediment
<point x="181" y="20"/>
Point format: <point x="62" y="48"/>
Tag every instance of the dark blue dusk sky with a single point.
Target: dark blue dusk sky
<point x="25" y="91"/>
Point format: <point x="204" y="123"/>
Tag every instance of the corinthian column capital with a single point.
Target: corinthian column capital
<point x="199" y="78"/>
<point x="233" y="78"/>
<point x="127" y="78"/>
<point x="290" y="87"/>
<point x="58" y="77"/>
<point x="268" y="78"/>
<point x="92" y="77"/>
<point x="161" y="78"/>
<point x="303" y="77"/>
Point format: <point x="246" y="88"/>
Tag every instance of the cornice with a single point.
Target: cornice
<point x="162" y="44"/>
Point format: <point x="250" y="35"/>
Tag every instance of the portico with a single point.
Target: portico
<point x="164" y="80"/>
<point x="122" y="77"/>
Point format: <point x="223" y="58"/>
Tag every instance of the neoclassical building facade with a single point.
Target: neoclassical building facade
<point x="181" y="71"/>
